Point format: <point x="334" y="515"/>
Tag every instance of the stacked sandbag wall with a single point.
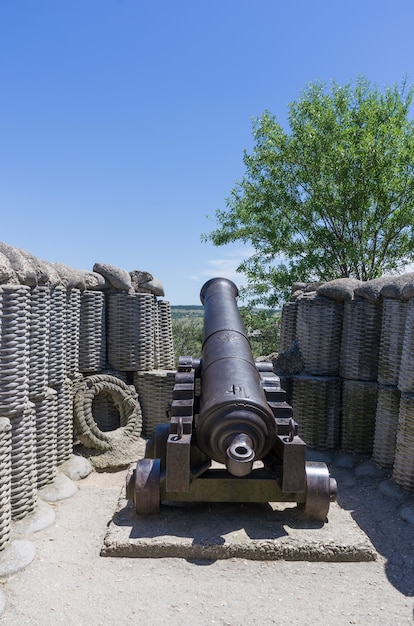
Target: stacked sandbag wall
<point x="54" y="337"/>
<point x="376" y="372"/>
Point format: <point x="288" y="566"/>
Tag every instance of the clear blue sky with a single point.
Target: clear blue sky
<point x="123" y="122"/>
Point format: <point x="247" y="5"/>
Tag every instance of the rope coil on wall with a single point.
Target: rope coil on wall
<point x="125" y="399"/>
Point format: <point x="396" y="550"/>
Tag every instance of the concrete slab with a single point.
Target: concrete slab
<point x="210" y="532"/>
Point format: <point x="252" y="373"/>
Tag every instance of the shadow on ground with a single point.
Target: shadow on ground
<point x="380" y="508"/>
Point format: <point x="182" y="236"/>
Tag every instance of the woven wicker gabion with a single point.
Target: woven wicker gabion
<point x="317" y="405"/>
<point x="23" y="463"/>
<point x="155" y="394"/>
<point x="403" y="472"/>
<point x="73" y="305"/>
<point x="92" y="333"/>
<point x="388" y="406"/>
<point x="39" y="339"/>
<point x="286" y="382"/>
<point x="64" y="420"/>
<point x="104" y="410"/>
<point x="57" y="336"/>
<point x="394" y="313"/>
<point x="359" y="401"/>
<point x="361" y="333"/>
<point x="5" y="481"/>
<point x="406" y="377"/>
<point x="166" y="341"/>
<point x="14" y="348"/>
<point x="318" y="330"/>
<point x="157" y="334"/>
<point x="288" y="325"/>
<point x="124" y="398"/>
<point x="130" y="331"/>
<point x="46" y="437"/>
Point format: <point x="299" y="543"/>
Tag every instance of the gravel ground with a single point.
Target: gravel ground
<point x="69" y="584"/>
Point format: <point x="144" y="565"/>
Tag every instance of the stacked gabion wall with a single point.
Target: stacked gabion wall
<point x="349" y="347"/>
<point x="315" y="393"/>
<point x="71" y="342"/>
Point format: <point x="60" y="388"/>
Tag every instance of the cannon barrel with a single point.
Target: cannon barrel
<point x="235" y="425"/>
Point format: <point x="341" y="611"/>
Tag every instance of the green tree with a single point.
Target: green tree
<point x="262" y="328"/>
<point x="187" y="336"/>
<point x="333" y="197"/>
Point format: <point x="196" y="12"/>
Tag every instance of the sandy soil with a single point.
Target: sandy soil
<point x="69" y="584"/>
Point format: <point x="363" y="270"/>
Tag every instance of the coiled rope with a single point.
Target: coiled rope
<point x="124" y="397"/>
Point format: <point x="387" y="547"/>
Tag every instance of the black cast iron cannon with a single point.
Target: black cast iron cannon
<point x="236" y="440"/>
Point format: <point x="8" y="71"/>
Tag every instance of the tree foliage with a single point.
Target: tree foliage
<point x="187" y="336"/>
<point x="333" y="197"/>
<point x="262" y="328"/>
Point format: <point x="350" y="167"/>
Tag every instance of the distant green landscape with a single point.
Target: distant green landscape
<point x="186" y="310"/>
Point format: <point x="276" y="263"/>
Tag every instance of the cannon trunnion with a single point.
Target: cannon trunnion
<point x="236" y="440"/>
